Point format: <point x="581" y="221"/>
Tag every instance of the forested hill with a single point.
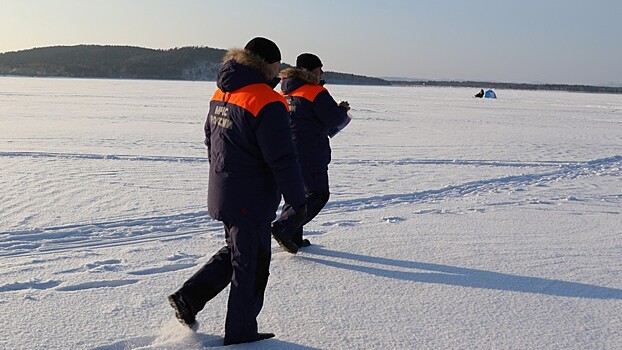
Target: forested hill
<point x="194" y="63"/>
<point x="112" y="62"/>
<point x="128" y="62"/>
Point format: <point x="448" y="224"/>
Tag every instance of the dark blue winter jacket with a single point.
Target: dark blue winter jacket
<point x="250" y="150"/>
<point x="313" y="113"/>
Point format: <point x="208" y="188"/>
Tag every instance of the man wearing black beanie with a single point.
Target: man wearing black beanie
<point x="308" y="61"/>
<point x="265" y="49"/>
<point x="314" y="117"/>
<point x="252" y="162"/>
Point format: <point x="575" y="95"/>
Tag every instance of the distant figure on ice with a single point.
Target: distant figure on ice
<point x="314" y="117"/>
<point x="252" y="161"/>
<point x="480" y="94"/>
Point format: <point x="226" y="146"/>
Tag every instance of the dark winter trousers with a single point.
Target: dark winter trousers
<point x="244" y="262"/>
<point x="317" y="194"/>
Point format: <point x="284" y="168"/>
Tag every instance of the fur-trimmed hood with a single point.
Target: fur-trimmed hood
<point x="302" y="74"/>
<point x="241" y="68"/>
<point x="293" y="78"/>
<point x="246" y="58"/>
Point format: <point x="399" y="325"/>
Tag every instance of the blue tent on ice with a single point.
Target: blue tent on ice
<point x="490" y="94"/>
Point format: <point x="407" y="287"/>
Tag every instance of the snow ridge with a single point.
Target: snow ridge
<point x="105" y="234"/>
<point x="610" y="166"/>
<point x="118" y="232"/>
<point x="168" y="159"/>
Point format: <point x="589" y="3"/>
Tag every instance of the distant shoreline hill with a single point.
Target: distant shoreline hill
<point x="197" y="63"/>
<point x="129" y="62"/>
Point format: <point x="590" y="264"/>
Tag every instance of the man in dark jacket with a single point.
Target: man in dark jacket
<point x="252" y="162"/>
<point x="314" y="114"/>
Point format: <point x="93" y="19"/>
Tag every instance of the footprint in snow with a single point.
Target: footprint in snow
<point x="183" y="257"/>
<point x="105" y="265"/>
<point x="392" y="219"/>
<point x="113" y="265"/>
<point x="161" y="269"/>
<point x="313" y="233"/>
<point x="342" y="223"/>
<point x="34" y="284"/>
<point x="96" y="284"/>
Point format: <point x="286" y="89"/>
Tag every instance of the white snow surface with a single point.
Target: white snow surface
<point x="453" y="223"/>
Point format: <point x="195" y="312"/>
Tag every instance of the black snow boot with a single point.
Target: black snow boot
<point x="285" y="243"/>
<point x="302" y="243"/>
<point x="183" y="312"/>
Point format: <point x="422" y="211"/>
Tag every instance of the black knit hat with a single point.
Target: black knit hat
<point x="265" y="49"/>
<point x="308" y="61"/>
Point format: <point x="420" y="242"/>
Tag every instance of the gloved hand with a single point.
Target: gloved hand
<point x="344" y="104"/>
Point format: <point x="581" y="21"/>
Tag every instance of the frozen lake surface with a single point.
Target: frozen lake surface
<point x="454" y="222"/>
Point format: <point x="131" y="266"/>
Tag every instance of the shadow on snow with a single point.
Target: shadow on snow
<point x="463" y="277"/>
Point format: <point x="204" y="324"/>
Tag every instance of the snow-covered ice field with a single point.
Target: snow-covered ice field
<point x="454" y="222"/>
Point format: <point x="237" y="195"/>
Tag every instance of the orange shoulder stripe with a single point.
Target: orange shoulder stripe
<point x="251" y="97"/>
<point x="308" y="92"/>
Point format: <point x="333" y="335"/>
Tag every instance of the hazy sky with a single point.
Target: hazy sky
<point x="555" y="41"/>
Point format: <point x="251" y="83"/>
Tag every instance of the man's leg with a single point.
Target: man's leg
<point x="250" y="258"/>
<point x="283" y="229"/>
<point x="204" y="285"/>
<point x="317" y="193"/>
<point x="315" y="203"/>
